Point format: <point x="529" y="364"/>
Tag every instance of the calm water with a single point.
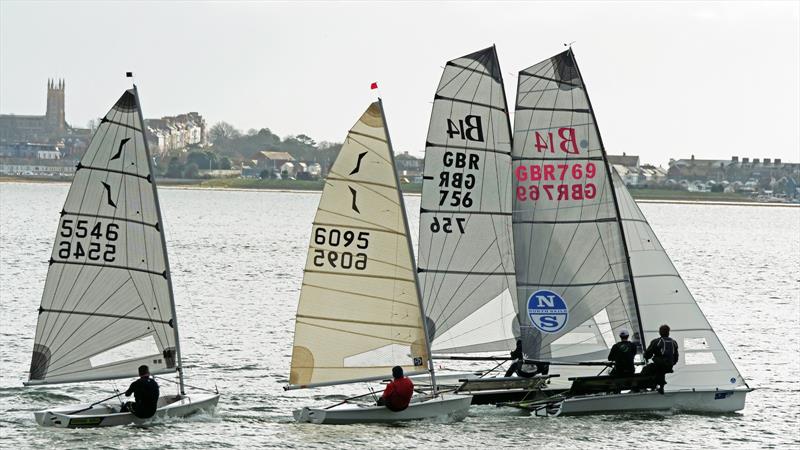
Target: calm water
<point x="237" y="261"/>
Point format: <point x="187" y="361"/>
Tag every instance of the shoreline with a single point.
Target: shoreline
<point x="315" y="186"/>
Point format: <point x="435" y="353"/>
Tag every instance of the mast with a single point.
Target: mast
<point x="410" y="250"/>
<point x="174" y="321"/>
<point x="616" y="203"/>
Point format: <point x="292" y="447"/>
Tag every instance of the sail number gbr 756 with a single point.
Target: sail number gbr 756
<point x="346" y="252"/>
<point x="72" y="244"/>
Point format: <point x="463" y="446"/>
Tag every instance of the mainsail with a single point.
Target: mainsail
<point x="107" y="305"/>
<point x="574" y="284"/>
<point x="359" y="312"/>
<point x="665" y="298"/>
<point x="466" y="261"/>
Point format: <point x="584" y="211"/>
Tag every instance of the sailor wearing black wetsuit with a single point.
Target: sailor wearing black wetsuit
<point x="664" y="351"/>
<point x="145" y="391"/>
<point x="622" y="354"/>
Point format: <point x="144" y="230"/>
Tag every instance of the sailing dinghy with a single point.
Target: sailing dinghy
<point x="108" y="305"/>
<point x="359" y="312"/>
<point x="466" y="250"/>
<point x="589" y="265"/>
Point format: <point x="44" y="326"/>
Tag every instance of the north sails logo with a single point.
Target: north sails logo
<point x="547" y="311"/>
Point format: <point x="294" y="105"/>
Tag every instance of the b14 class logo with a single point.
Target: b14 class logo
<point x="548" y="311"/>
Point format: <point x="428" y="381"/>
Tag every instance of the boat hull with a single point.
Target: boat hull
<point x="452" y="408"/>
<point x="713" y="402"/>
<point x="105" y="415"/>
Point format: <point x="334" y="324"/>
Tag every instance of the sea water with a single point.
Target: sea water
<point x="237" y="261"/>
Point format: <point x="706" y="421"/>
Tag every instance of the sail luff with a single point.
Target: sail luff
<point x="410" y="247"/>
<point x="616" y="202"/>
<point x="168" y="272"/>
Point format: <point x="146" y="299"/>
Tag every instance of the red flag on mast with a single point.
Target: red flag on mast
<point x="374" y="86"/>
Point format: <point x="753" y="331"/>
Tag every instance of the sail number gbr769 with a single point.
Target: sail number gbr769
<point x="345" y="253"/>
<point x="561" y="179"/>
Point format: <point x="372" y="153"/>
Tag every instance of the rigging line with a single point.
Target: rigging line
<point x="359" y="294"/>
<point x="358" y="219"/>
<point x="359" y="322"/>
<point x="357" y="227"/>
<point x="344" y="274"/>
<point x="101" y="216"/>
<point x="107" y="266"/>
<point x="549" y="79"/>
<point x="567" y="222"/>
<point x="48" y="342"/>
<point x="96" y="314"/>
<point x="545" y="68"/>
<point x="451" y="63"/>
<point x="447" y="146"/>
<point x="357" y="133"/>
<point x="71" y="351"/>
<point x="358" y="182"/>
<point x="121" y="172"/>
<point x="340" y="330"/>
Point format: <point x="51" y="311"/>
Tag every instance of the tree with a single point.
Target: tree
<point x="174" y="169"/>
<point x="200" y="159"/>
<point x="190" y="171"/>
<point x="265" y="174"/>
<point x="303" y="139"/>
<point x="224" y="163"/>
<point x="222" y="131"/>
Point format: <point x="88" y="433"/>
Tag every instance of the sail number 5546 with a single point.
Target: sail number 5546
<point x="71" y="248"/>
<point x="341" y="258"/>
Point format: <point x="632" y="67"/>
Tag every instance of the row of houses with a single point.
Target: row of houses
<point x="172" y="133"/>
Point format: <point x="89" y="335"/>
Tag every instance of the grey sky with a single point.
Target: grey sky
<point x="710" y="79"/>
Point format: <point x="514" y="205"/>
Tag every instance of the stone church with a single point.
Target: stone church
<point x="51" y="128"/>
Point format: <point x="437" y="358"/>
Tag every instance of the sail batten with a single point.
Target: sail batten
<point x="359" y="311"/>
<point x="107" y="306"/>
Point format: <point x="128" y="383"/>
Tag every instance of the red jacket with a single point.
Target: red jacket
<point x="398" y="394"/>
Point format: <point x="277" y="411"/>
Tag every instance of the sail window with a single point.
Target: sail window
<point x="695" y="344"/>
<point x="697" y="358"/>
<point x="139" y="348"/>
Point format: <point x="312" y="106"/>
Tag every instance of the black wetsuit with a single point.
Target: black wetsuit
<point x="664" y="351"/>
<point x="622" y="354"/>
<point x="145" y="391"/>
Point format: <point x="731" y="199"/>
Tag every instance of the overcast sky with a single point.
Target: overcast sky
<point x="666" y="80"/>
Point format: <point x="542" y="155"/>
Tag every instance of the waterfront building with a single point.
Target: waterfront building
<point x="176" y="133"/>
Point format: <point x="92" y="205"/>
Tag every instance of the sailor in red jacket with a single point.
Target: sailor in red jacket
<point x="397" y="394"/>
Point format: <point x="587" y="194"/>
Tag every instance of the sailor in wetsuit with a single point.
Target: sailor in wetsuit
<point x="622" y="354"/>
<point x="519" y="359"/>
<point x="145" y="391"/>
<point x="397" y="394"/>
<point x="664" y="351"/>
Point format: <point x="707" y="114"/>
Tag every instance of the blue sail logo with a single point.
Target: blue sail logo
<point x="548" y="311"/>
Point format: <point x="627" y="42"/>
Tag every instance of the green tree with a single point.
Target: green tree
<point x="222" y="131"/>
<point x="175" y="168"/>
<point x="191" y="171"/>
<point x="265" y="174"/>
<point x="224" y="163"/>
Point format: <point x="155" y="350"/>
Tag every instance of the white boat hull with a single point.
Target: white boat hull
<point x="679" y="401"/>
<point x="106" y="415"/>
<point x="452" y="408"/>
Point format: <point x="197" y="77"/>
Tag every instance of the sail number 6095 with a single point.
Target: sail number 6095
<point x="343" y="259"/>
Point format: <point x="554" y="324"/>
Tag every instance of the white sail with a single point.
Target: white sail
<point x="665" y="299"/>
<point x="573" y="281"/>
<point x="107" y="305"/>
<point x="359" y="310"/>
<point x="466" y="261"/>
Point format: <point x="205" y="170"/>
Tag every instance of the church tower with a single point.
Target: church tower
<point x="54" y="117"/>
